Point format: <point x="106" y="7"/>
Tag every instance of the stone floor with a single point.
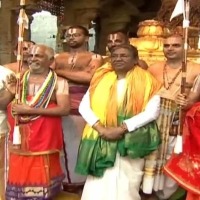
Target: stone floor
<point x="67" y="196"/>
<point x="70" y="196"/>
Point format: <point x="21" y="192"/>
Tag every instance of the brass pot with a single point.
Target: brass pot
<point x="152" y="28"/>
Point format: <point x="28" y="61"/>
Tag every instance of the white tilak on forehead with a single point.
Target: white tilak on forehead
<point x="113" y="37"/>
<point x="72" y="30"/>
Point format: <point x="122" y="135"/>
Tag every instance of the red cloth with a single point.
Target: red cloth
<point x="37" y="170"/>
<point x="185" y="167"/>
<point x="42" y="134"/>
<point x="76" y="94"/>
<point x="34" y="177"/>
<point x="191" y="196"/>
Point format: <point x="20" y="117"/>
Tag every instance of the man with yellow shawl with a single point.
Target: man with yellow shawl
<point x="120" y="109"/>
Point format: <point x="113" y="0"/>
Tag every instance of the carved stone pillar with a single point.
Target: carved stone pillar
<point x="167" y="8"/>
<point x="5" y="33"/>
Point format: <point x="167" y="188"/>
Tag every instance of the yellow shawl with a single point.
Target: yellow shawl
<point x="96" y="154"/>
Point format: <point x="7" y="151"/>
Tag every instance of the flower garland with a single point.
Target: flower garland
<point x="43" y="96"/>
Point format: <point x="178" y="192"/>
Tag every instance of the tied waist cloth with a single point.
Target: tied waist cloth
<point x="76" y="94"/>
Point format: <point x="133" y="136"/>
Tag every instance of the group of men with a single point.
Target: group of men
<point x="83" y="121"/>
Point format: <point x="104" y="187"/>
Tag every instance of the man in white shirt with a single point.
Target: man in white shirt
<point x="120" y="109"/>
<point x="4" y="72"/>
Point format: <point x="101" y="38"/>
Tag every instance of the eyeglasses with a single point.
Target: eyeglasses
<point x="175" y="45"/>
<point x="72" y="35"/>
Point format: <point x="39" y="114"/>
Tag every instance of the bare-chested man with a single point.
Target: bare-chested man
<point x="34" y="169"/>
<point x="184" y="167"/>
<point x="77" y="66"/>
<point x="26" y="45"/>
<point x="169" y="73"/>
<point x="117" y="38"/>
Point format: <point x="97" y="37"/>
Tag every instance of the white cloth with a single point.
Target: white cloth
<point x="4" y="72"/>
<point x="196" y="85"/>
<point x="150" y="113"/>
<point x="72" y="131"/>
<point x="121" y="182"/>
<point x="166" y="185"/>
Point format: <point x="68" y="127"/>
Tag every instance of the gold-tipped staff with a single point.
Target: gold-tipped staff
<point x="179" y="142"/>
<point x="23" y="23"/>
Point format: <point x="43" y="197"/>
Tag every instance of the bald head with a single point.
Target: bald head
<point x="40" y="58"/>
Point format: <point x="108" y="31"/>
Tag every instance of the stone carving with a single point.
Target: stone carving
<point x="167" y="7"/>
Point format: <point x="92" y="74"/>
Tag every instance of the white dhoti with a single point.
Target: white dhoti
<point x="73" y="126"/>
<point x="2" y="165"/>
<point x="166" y="185"/>
<point x="121" y="182"/>
<point x="4" y="72"/>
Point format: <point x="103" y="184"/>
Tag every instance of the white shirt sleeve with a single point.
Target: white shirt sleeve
<point x="86" y="111"/>
<point x="150" y="113"/>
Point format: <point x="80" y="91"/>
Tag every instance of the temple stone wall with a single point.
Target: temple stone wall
<point x="5" y="32"/>
<point x="109" y="15"/>
<point x="9" y="13"/>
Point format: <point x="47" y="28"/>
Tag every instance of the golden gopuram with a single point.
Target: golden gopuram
<point x="150" y="41"/>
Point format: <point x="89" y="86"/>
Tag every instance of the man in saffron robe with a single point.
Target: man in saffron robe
<point x="168" y="72"/>
<point x="77" y="66"/>
<point x="184" y="168"/>
<point x="120" y="108"/>
<point x="34" y="168"/>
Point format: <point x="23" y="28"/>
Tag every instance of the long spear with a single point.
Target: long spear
<point x="22" y="21"/>
<point x="186" y="22"/>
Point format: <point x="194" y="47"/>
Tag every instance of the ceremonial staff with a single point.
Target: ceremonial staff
<point x="186" y="22"/>
<point x="23" y="23"/>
